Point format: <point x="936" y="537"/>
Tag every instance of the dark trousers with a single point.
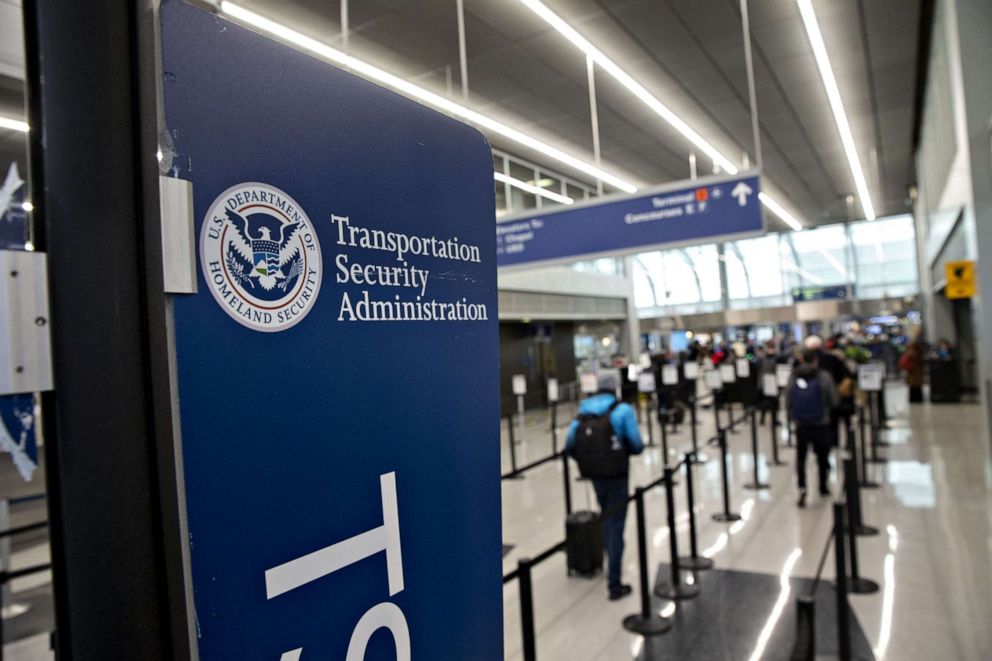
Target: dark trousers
<point x="820" y="438"/>
<point x="611" y="493"/>
<point x="915" y="394"/>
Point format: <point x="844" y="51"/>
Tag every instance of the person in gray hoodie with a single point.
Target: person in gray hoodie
<point x="811" y="399"/>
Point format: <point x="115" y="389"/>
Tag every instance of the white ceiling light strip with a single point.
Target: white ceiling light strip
<point x="407" y="88"/>
<point x="651" y="101"/>
<point x="628" y="82"/>
<point x="836" y="104"/>
<point x="530" y="188"/>
<point x="12" y="124"/>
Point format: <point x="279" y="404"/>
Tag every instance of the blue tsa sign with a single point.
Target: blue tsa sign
<point x="337" y="371"/>
<point x="701" y="210"/>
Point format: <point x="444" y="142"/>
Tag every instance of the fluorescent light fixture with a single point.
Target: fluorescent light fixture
<point x="779" y="211"/>
<point x="836" y="104"/>
<point x="13" y="124"/>
<point x="530" y="188"/>
<point x="408" y="89"/>
<point x="625" y="79"/>
<point x="638" y="90"/>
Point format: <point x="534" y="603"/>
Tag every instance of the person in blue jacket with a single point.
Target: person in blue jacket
<point x="612" y="491"/>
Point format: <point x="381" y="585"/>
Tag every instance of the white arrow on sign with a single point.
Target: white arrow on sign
<point x="741" y="191"/>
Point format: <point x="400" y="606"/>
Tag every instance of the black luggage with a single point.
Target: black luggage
<point x="584" y="543"/>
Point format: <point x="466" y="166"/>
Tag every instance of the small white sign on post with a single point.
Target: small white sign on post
<point x="645" y="382"/>
<point x="743" y="368"/>
<point x="870" y="377"/>
<point x="727" y="373"/>
<point x="714" y="380"/>
<point x="691" y="370"/>
<point x="552" y="389"/>
<point x="769" y="385"/>
<point x="669" y="375"/>
<point x="782" y="375"/>
<point x="588" y="383"/>
<point x="519" y="384"/>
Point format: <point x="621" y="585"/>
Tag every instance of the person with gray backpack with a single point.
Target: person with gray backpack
<point x="811" y="399"/>
<point x="601" y="439"/>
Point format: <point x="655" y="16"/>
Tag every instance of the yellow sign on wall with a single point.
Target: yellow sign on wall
<point x="960" y="279"/>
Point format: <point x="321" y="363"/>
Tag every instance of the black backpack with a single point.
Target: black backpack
<point x="598" y="450"/>
<point x="806" y="399"/>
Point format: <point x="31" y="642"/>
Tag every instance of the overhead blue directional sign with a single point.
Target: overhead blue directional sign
<point x="820" y="293"/>
<point x="701" y="210"/>
<point x="343" y="501"/>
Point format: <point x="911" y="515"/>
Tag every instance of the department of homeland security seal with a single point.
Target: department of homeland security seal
<point x="260" y="257"/>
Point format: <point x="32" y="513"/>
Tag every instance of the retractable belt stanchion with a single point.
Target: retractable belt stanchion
<point x="851" y="491"/>
<point x="694" y="561"/>
<point x="726" y="515"/>
<point x="805" y="629"/>
<point x="664" y="439"/>
<point x="756" y="483"/>
<point x="775" y="460"/>
<point x="698" y="457"/>
<point x="650" y="415"/>
<point x="717" y="404"/>
<point x="843" y="618"/>
<point x="866" y="483"/>
<point x="677" y="590"/>
<point x="527" y="610"/>
<point x="856" y="584"/>
<point x="554" y="427"/>
<point x="567" y="480"/>
<point x="647" y="622"/>
<point x="513" y="450"/>
<point x="873" y="417"/>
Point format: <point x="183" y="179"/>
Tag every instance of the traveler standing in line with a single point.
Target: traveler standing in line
<point x="601" y="440"/>
<point x="835" y="367"/>
<point x="911" y="362"/>
<point x="810" y="399"/>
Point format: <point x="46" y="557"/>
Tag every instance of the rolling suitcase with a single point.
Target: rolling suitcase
<point x="584" y="543"/>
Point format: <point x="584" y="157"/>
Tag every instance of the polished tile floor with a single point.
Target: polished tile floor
<point x="933" y="556"/>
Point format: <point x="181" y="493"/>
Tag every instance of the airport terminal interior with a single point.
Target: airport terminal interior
<point x="571" y="330"/>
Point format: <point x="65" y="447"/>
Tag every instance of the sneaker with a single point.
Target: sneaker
<point x="622" y="592"/>
<point x="802" y="498"/>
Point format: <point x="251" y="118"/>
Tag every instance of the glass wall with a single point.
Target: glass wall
<point x="876" y="260"/>
<point x="522" y="186"/>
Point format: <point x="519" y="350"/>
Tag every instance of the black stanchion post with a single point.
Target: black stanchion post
<point x="677" y="590"/>
<point x="856" y="583"/>
<point x="775" y="460"/>
<point x="853" y="494"/>
<point x="646" y="623"/>
<point x="693" y="423"/>
<point x="567" y="480"/>
<point x="664" y="440"/>
<point x="716" y="409"/>
<point x="726" y="515"/>
<point x="526" y="610"/>
<point x="692" y="562"/>
<point x="755" y="484"/>
<point x="804" y="648"/>
<point x="554" y="428"/>
<point x="843" y="618"/>
<point x="866" y="483"/>
<point x="651" y="409"/>
<point x="513" y="450"/>
<point x="873" y="415"/>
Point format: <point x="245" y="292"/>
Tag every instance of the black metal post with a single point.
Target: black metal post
<point x="513" y="450"/>
<point x="726" y="515"/>
<point x="866" y="483"/>
<point x="677" y="590"/>
<point x="756" y="483"/>
<point x="873" y="413"/>
<point x="554" y="428"/>
<point x="567" y="480"/>
<point x="775" y="459"/>
<point x="647" y="622"/>
<point x="730" y="418"/>
<point x="693" y="424"/>
<point x="852" y="493"/>
<point x="651" y="410"/>
<point x="664" y="440"/>
<point x="856" y="584"/>
<point x="693" y="561"/>
<point x="527" y="610"/>
<point x="843" y="618"/>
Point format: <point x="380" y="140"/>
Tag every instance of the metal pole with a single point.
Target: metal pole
<point x="756" y="484"/>
<point x="554" y="428"/>
<point x="752" y="94"/>
<point x="866" y="483"/>
<point x="856" y="584"/>
<point x="775" y="458"/>
<point x="677" y="590"/>
<point x="843" y="621"/>
<point x="344" y="25"/>
<point x="527" y="610"/>
<point x="873" y="413"/>
<point x="646" y="622"/>
<point x="664" y="441"/>
<point x="462" y="57"/>
<point x="513" y="449"/>
<point x="567" y="478"/>
<point x="594" y="116"/>
<point x="650" y="414"/>
<point x="693" y="561"/>
<point x="805" y="646"/>
<point x="726" y="515"/>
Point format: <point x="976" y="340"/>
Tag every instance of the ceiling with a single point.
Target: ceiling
<point x="689" y="54"/>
